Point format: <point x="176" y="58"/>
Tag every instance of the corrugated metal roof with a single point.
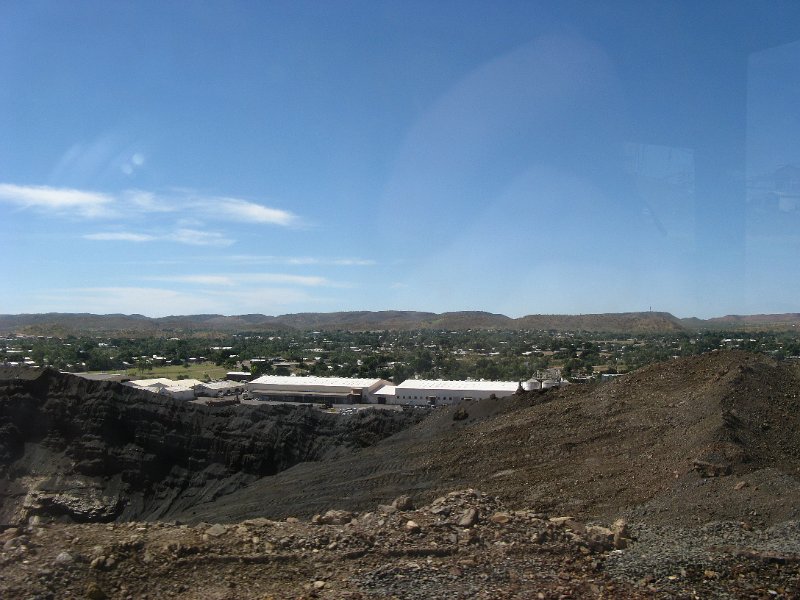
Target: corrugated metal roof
<point x="150" y="382"/>
<point x="222" y="385"/>
<point x="287" y="380"/>
<point x="387" y="390"/>
<point x="435" y="384"/>
<point x="167" y="383"/>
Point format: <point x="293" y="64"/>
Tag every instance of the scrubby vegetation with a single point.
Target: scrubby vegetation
<point x="396" y="355"/>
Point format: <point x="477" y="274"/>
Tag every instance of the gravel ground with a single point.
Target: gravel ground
<point x="464" y="544"/>
<point x="714" y="560"/>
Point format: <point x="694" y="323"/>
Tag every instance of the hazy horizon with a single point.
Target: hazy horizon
<point x="394" y="310"/>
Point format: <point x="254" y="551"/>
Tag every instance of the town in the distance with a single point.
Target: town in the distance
<point x="376" y="362"/>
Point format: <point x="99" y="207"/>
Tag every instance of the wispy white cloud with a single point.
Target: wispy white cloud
<point x="222" y="280"/>
<point x="64" y="201"/>
<point x="240" y="278"/>
<point x="121" y="236"/>
<point x="192" y="237"/>
<point x="182" y="214"/>
<point x="132" y="203"/>
<point x="189" y="222"/>
<point x="197" y="237"/>
<point x="302" y="260"/>
<point x="337" y="262"/>
<point x="235" y="209"/>
<point x="148" y="202"/>
<point x="306" y="280"/>
<point x="210" y="207"/>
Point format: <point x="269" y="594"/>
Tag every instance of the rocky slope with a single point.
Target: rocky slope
<point x="693" y="440"/>
<point x="680" y="480"/>
<point x="100" y="451"/>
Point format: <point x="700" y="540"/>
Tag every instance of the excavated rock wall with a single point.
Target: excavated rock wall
<point x="101" y="451"/>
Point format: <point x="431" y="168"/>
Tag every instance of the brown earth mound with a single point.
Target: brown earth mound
<point x="688" y="441"/>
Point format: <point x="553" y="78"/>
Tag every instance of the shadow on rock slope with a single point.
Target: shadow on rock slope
<point x="100" y="451"/>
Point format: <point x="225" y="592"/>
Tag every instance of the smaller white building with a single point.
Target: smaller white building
<point x="531" y="385"/>
<point x="386" y="394"/>
<point x="544" y="380"/>
<point x="434" y="392"/>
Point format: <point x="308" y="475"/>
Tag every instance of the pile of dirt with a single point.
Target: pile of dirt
<point x="692" y="440"/>
<point x="100" y="451"/>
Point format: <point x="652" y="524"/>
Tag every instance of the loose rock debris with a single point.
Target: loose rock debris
<point x="429" y="552"/>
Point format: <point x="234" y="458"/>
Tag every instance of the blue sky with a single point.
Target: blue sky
<point x="516" y="157"/>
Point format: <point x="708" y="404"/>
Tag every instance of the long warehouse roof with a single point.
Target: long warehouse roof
<point x="436" y="384"/>
<point x="288" y="380"/>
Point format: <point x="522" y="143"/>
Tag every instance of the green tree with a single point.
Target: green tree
<point x="144" y="364"/>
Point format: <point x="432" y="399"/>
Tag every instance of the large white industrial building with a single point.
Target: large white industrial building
<point x="345" y="390"/>
<point x="431" y="392"/>
<point x="338" y="390"/>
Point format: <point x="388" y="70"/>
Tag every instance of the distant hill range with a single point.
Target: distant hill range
<point x="631" y="322"/>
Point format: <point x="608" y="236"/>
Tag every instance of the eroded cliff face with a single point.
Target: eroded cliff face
<point x="100" y="451"/>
